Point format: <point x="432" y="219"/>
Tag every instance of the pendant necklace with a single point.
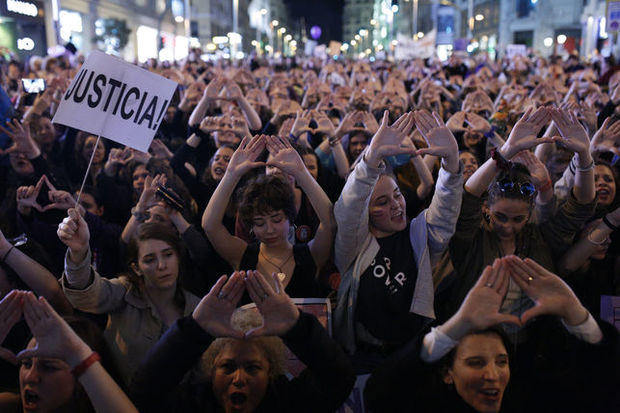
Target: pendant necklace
<point x="281" y="274"/>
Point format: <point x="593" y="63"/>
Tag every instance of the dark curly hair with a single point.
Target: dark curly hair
<point x="517" y="174"/>
<point x="264" y="194"/>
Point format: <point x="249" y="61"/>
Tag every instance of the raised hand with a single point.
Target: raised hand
<point x="148" y="197"/>
<point x="54" y="337"/>
<point x="233" y="89"/>
<point x="279" y="312"/>
<point x="538" y="171"/>
<point x="574" y="136"/>
<point x="26" y="197"/>
<point x="73" y="232"/>
<point x="301" y="123"/>
<point x="440" y="140"/>
<point x="214" y="311"/>
<point x="213" y="89"/>
<point x="390" y="140"/>
<point x="607" y="138"/>
<point x="116" y="158"/>
<point x="211" y="124"/>
<point x="246" y="154"/>
<point x="10" y="313"/>
<point x="22" y="141"/>
<point x="370" y="122"/>
<point x="160" y="150"/>
<point x="551" y="295"/>
<point x="524" y="134"/>
<point x="59" y="200"/>
<point x="324" y="125"/>
<point x="284" y="156"/>
<point x="481" y="306"/>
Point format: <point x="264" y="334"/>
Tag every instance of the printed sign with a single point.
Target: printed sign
<point x="112" y="98"/>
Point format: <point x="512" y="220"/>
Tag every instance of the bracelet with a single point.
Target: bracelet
<point x="85" y="364"/>
<point x="546" y="186"/>
<point x="7" y="253"/>
<point x="140" y="216"/>
<point x="586" y="169"/>
<point x="605" y="221"/>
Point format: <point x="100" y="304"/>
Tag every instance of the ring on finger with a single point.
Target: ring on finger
<point x="529" y="279"/>
<point x="488" y="285"/>
<point x="221" y="295"/>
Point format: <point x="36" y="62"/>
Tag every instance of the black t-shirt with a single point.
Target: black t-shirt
<point x="386" y="290"/>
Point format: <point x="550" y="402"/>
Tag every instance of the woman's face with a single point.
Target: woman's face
<point x="387" y="209"/>
<point x="480" y="372"/>
<point x="508" y="217"/>
<point x="357" y="144"/>
<point x="46" y="133"/>
<point x="605" y="185"/>
<point x="240" y="377"/>
<point x="87" y="150"/>
<point x="46" y="384"/>
<point x="470" y="163"/>
<point x="158" y="263"/>
<point x="220" y="162"/>
<point x="271" y="228"/>
<point x="20" y="163"/>
<point x="311" y="165"/>
<point x="138" y="177"/>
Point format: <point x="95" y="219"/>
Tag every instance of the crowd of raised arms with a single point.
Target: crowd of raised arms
<point x="462" y="217"/>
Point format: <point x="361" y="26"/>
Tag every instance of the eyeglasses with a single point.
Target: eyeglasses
<point x="526" y="188"/>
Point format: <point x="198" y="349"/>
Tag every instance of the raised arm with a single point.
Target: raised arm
<point x="288" y="160"/>
<point x="37" y="277"/>
<point x="228" y="246"/>
<point x="248" y="111"/>
<point x="55" y="339"/>
<point x="575" y="138"/>
<point x="522" y="137"/>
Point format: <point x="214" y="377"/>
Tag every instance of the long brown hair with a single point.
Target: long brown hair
<point x="163" y="233"/>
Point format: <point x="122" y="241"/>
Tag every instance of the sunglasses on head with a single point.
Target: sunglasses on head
<point x="526" y="188"/>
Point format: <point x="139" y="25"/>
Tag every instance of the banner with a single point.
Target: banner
<point x="112" y="98"/>
<point x="513" y="50"/>
<point x="407" y="48"/>
<point x="613" y="16"/>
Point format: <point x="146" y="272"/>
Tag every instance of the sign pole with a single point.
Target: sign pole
<point x="92" y="155"/>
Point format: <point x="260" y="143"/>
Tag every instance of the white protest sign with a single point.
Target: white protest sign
<point x="407" y="48"/>
<point x="112" y="98"/>
<point x="513" y="50"/>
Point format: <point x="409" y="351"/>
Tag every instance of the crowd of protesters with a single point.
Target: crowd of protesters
<point x="462" y="217"/>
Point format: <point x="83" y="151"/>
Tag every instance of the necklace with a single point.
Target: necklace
<point x="281" y="274"/>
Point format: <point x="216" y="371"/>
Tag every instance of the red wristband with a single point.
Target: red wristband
<point x="545" y="186"/>
<point x="85" y="364"/>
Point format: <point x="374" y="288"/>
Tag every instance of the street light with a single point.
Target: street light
<point x="548" y="41"/>
<point x="479" y="17"/>
<point x="561" y="39"/>
<point x="263" y="11"/>
<point x="275" y="23"/>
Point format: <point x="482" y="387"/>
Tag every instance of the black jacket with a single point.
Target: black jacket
<point x="322" y="387"/>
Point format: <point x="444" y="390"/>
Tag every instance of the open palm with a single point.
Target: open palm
<point x="524" y="134"/>
<point x="215" y="310"/>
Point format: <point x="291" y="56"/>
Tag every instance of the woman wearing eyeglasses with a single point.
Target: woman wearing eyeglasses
<point x="501" y="225"/>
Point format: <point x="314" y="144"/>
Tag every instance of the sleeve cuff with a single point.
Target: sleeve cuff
<point x="588" y="331"/>
<point x="436" y="344"/>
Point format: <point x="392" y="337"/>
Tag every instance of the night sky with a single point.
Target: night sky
<point x="326" y="14"/>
